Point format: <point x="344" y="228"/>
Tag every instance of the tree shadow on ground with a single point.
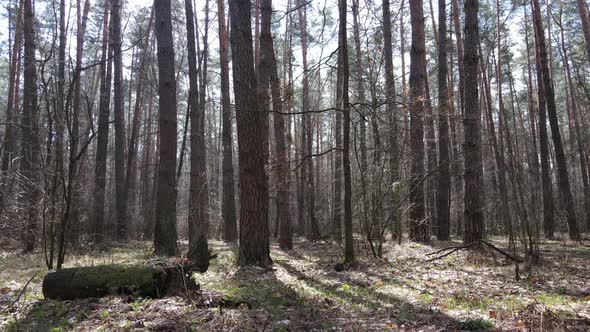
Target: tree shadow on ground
<point x="371" y="308"/>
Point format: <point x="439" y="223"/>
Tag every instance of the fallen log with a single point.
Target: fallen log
<point x="98" y="281"/>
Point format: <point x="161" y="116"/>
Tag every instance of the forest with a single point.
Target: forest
<point x="294" y="165"/>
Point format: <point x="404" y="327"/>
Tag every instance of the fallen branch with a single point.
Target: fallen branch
<point x="22" y="291"/>
<point x="454" y="249"/>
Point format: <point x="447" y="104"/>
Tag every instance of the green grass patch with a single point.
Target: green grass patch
<point x="553" y="299"/>
<point x="425" y="298"/>
<point x="469" y="303"/>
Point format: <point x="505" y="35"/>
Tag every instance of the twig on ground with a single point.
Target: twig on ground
<point x="22" y="291"/>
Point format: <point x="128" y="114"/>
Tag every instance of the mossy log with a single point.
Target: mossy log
<point x="97" y="281"/>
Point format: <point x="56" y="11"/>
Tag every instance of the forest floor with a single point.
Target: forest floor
<point x="303" y="292"/>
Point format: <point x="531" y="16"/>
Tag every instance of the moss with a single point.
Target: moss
<point x="475" y="324"/>
<point x="114" y="275"/>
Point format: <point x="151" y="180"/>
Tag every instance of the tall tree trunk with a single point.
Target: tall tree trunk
<point x="577" y="137"/>
<point x="343" y="49"/>
<point x="119" y="113"/>
<point x="74" y="222"/>
<point x="497" y="147"/>
<point x="10" y="132"/>
<point x="474" y="218"/>
<point x="102" y="139"/>
<point x="456" y="164"/>
<point x="312" y="231"/>
<point x="146" y="175"/>
<point x="254" y="232"/>
<point x="431" y="160"/>
<point x="583" y="10"/>
<point x="268" y="64"/>
<point x="536" y="169"/>
<point x="564" y="183"/>
<point x="338" y="155"/>
<point x="501" y="163"/>
<point x="165" y="234"/>
<point x="391" y="109"/>
<point x="360" y="89"/>
<point x="30" y="128"/>
<point x="418" y="226"/>
<point x="228" y="205"/>
<point x="197" y="218"/>
<point x="548" y="203"/>
<point x="129" y="186"/>
<point x="444" y="183"/>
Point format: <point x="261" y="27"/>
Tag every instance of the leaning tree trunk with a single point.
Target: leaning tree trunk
<point x="563" y="179"/>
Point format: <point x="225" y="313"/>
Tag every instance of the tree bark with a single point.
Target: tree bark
<point x="119" y="113"/>
<point x="583" y="10"/>
<point x="129" y="185"/>
<point x="254" y="233"/>
<point x="577" y="134"/>
<point x="30" y="128"/>
<point x="102" y="139"/>
<point x="10" y="131"/>
<point x="444" y="183"/>
<point x="97" y="281"/>
<point x="228" y="204"/>
<point x="343" y="48"/>
<point x="198" y="216"/>
<point x="165" y="234"/>
<point x="418" y="226"/>
<point x="563" y="181"/>
<point x="311" y="231"/>
<point x="473" y="214"/>
<point x="268" y="64"/>
<point x="391" y="107"/>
